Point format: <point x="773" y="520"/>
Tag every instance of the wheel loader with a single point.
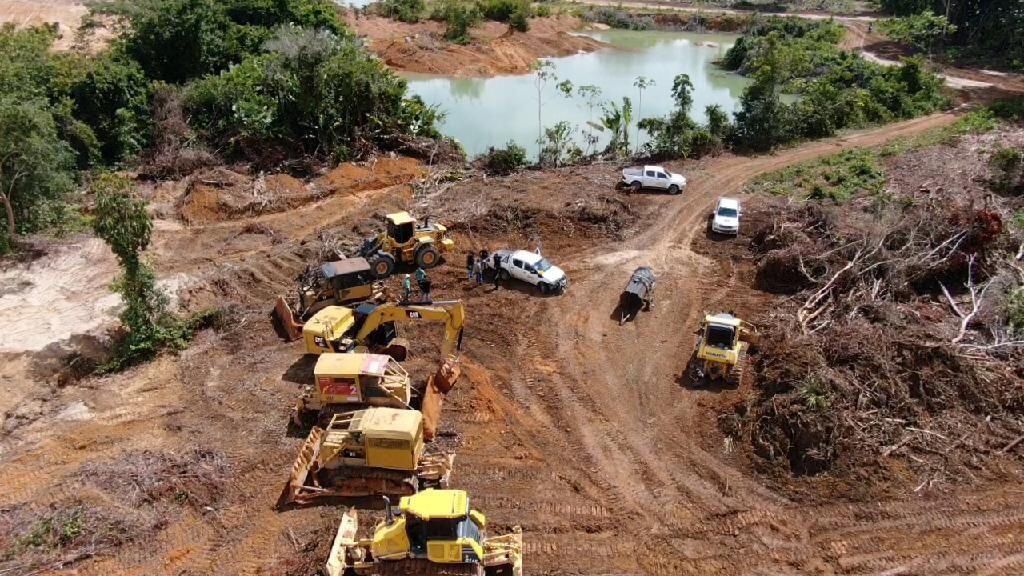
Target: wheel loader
<point x="434" y="532"/>
<point x="405" y="241"/>
<point x="720" y="353"/>
<point x="376" y="451"/>
<point x="372" y="327"/>
<point x="343" y="282"/>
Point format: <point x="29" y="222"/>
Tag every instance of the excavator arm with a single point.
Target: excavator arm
<point x="451" y="313"/>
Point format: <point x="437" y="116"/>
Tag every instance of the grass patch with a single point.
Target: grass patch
<point x="837" y="178"/>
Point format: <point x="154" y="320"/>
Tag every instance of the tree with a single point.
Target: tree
<point x="922" y="30"/>
<point x="762" y="121"/>
<point x="460" y="17"/>
<point x="642" y="83"/>
<point x="112" y="98"/>
<point x="312" y="93"/>
<point x="36" y="166"/>
<point x="591" y="95"/>
<point x="543" y="71"/>
<point x="558" y="146"/>
<point x="122" y="222"/>
<point x="616" y="119"/>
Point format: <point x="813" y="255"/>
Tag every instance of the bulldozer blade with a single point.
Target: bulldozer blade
<point x="296" y="488"/>
<point x="290" y="329"/>
<point x="503" y="555"/>
<point x="346" y="550"/>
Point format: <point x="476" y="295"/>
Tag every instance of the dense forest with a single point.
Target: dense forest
<point x="991" y="30"/>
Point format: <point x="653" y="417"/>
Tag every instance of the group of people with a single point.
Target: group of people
<point x="422" y="280"/>
<point x="476" y="265"/>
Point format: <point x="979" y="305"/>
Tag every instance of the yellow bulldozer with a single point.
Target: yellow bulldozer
<point x="348" y="382"/>
<point x="372" y="327"/>
<point x="721" y="349"/>
<point x="406" y="241"/>
<point x="435" y="532"/>
<point x="376" y="451"/>
<point x="343" y="282"/>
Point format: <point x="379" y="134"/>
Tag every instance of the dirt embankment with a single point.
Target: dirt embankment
<point x="495" y="48"/>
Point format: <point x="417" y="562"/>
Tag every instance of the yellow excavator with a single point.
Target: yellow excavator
<point x="376" y="451"/>
<point x="347" y="282"/>
<point x="435" y="532"/>
<point x="721" y="349"/>
<point x="372" y="327"/>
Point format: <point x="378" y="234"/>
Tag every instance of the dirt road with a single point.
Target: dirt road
<point x="568" y="424"/>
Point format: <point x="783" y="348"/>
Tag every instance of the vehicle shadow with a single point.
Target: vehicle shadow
<point x="629" y="306"/>
<point x="301" y="370"/>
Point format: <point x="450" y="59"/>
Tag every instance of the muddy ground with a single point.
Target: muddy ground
<point x="577" y="429"/>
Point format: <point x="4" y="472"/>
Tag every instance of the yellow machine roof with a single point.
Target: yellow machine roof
<point x="389" y="423"/>
<point x="351" y="364"/>
<point x="400" y="218"/>
<point x="726" y="319"/>
<point x="431" y="504"/>
<point x="336" y="317"/>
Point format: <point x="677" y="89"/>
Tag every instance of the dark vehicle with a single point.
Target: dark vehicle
<point x="639" y="294"/>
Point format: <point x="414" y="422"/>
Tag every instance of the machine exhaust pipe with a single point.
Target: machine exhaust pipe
<point x="390" y="514"/>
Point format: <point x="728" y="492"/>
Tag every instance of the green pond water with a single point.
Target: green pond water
<point x="484" y="112"/>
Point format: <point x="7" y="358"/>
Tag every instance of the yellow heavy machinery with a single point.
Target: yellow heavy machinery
<point x="722" y="343"/>
<point x="342" y="282"/>
<point x="372" y="327"/>
<point x="348" y="382"/>
<point x="405" y="241"/>
<point x="376" y="451"/>
<point x="434" y="533"/>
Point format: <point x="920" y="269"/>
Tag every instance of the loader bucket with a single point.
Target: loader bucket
<point x="284" y="318"/>
<point x="295" y="490"/>
<point x="447" y="375"/>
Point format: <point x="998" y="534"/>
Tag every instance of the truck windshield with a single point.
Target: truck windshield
<point x="727" y="212"/>
<point x="543" y="265"/>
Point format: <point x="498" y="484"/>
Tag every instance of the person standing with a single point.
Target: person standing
<point x="424" y="283"/>
<point x="407" y="285"/>
<point x="470" y="265"/>
<point x="478" y="272"/>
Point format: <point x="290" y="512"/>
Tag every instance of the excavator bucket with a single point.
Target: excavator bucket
<point x="284" y="318"/>
<point x="438" y="386"/>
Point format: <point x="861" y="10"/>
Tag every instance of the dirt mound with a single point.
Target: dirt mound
<point x="375" y="175"/>
<point x="494" y="49"/>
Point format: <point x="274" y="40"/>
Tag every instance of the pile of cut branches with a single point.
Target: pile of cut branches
<point x="894" y="340"/>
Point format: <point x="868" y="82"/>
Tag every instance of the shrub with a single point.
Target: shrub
<point x="836" y="178"/>
<point x="404" y="10"/>
<point x="501" y="161"/>
<point x="36" y="167"/>
<point x="1015" y="312"/>
<point x="178" y="40"/>
<point x="1008" y="167"/>
<point x="459" y="16"/>
<point x="113" y="100"/>
<point x="312" y="93"/>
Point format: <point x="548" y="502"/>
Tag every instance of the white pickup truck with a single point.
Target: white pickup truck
<point x="530" y="267"/>
<point x="654" y="177"/>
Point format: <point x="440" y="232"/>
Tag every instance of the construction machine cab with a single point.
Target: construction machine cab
<point x="436" y="525"/>
<point x="351" y="279"/>
<point x="354" y="380"/>
<point x="401" y="227"/>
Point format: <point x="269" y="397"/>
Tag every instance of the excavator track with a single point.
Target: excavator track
<point x="422" y="567"/>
